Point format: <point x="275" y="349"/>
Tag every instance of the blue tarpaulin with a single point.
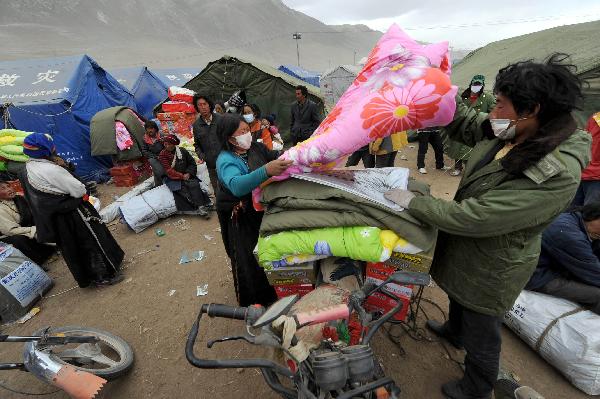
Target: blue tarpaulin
<point x="147" y="88"/>
<point x="60" y="96"/>
<point x="176" y="76"/>
<point x="302" y="74"/>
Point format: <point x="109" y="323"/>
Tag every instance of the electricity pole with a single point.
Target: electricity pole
<point x="354" y="58"/>
<point x="297" y="36"/>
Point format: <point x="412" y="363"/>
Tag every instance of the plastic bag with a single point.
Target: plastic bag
<point x="144" y="210"/>
<point x="202" y="174"/>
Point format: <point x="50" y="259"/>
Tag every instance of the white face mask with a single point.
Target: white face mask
<point x="476" y="89"/>
<point x="249" y="118"/>
<point x="244" y="141"/>
<point x="502" y="128"/>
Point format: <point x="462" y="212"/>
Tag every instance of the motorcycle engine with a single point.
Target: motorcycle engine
<point x="335" y="368"/>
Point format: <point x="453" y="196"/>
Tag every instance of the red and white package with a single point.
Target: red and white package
<point x="178" y="106"/>
<point x="181" y="94"/>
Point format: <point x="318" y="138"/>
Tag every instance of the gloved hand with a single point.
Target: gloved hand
<point x="400" y="197"/>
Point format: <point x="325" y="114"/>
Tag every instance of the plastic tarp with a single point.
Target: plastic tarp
<point x="60" y="96"/>
<point x="147" y="88"/>
<point x="563" y="333"/>
<point x="300" y="73"/>
<point x="147" y="208"/>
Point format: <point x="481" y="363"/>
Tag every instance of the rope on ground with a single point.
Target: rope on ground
<point x="61" y="292"/>
<point x="28" y="393"/>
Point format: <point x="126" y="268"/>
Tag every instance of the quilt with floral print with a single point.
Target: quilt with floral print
<point x="403" y="86"/>
<point x="369" y="244"/>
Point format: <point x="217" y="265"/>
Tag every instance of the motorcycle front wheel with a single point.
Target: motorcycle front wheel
<point x="109" y="358"/>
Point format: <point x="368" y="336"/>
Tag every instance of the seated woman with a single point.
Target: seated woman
<point x="64" y="216"/>
<point x="17" y="227"/>
<point x="151" y="148"/>
<point x="569" y="265"/>
<point x="242" y="166"/>
<point x="180" y="169"/>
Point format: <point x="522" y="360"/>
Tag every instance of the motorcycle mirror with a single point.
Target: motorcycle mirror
<point x="414" y="278"/>
<point x="277" y="309"/>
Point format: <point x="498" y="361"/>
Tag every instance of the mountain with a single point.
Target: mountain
<point x="176" y="33"/>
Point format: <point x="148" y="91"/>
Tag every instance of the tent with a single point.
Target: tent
<point x="147" y="88"/>
<point x="581" y="41"/>
<point x="302" y="74"/>
<point x="335" y="81"/>
<point x="60" y="96"/>
<point x="272" y="90"/>
<point x="175" y="76"/>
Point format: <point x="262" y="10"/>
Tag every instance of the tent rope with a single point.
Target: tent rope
<point x="38" y="114"/>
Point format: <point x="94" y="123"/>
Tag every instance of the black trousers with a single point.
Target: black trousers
<point x="480" y="335"/>
<point x="370" y="160"/>
<point x="575" y="291"/>
<point x="433" y="138"/>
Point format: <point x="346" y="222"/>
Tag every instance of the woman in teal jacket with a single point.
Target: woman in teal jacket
<point x="242" y="166"/>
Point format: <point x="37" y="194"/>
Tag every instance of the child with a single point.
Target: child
<point x="268" y="123"/>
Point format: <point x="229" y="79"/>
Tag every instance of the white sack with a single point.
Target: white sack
<point x="111" y="212"/>
<point x="146" y="209"/>
<point x="572" y="344"/>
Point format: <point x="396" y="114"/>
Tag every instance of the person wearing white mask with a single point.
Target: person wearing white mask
<point x="242" y="166"/>
<point x="475" y="97"/>
<point x="523" y="172"/>
<point x="251" y="114"/>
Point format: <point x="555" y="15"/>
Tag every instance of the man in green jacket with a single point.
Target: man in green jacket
<point x="474" y="96"/>
<point x="524" y="171"/>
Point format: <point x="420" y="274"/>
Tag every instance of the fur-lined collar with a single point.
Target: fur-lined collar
<point x="532" y="150"/>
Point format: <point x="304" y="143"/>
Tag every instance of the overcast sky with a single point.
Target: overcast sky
<point x="466" y="24"/>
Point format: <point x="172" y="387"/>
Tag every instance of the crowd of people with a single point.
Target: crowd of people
<point x="524" y="213"/>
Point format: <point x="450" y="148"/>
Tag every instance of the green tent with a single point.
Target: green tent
<point x="580" y="41"/>
<point x="272" y="90"/>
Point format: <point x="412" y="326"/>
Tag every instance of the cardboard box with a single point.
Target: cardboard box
<point x="304" y="273"/>
<point x="292" y="289"/>
<point x="377" y="273"/>
<point x="177" y="123"/>
<point x="413" y="263"/>
<point x="378" y="302"/>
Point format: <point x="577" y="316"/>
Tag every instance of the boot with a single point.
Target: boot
<point x="441" y="330"/>
<point x="454" y="390"/>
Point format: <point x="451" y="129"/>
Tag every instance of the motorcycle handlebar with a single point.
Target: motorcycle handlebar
<point x="231" y="312"/>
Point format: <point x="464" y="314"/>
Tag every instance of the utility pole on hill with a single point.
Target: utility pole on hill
<point x="297" y="36"/>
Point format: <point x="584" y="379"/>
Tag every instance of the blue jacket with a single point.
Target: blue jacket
<point x="566" y="252"/>
<point x="235" y="174"/>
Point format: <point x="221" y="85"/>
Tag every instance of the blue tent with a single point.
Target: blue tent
<point x="147" y="88"/>
<point x="302" y="74"/>
<point x="60" y="96"/>
<point x="176" y="76"/>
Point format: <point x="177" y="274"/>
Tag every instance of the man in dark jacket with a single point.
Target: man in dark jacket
<point x="305" y="116"/>
<point x="206" y="141"/>
<point x="569" y="267"/>
<point x="151" y="147"/>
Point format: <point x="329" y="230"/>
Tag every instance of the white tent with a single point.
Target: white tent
<point x="335" y="81"/>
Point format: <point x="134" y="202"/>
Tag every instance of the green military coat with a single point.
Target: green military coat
<point x="490" y="235"/>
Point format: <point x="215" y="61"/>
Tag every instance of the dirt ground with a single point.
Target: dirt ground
<point x="141" y="311"/>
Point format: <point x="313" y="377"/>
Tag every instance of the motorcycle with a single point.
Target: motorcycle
<point x="325" y="368"/>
